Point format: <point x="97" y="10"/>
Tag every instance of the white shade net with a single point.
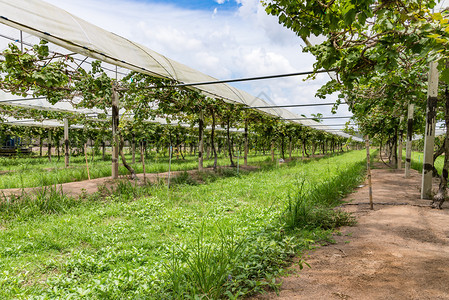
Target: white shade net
<point x="56" y="25"/>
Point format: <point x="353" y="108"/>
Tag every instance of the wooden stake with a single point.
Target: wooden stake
<point x="368" y="172"/>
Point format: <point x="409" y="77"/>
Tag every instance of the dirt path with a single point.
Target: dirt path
<point x="91" y="186"/>
<point x="394" y="252"/>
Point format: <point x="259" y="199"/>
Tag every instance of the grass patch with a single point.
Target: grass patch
<point x="16" y="172"/>
<point x="227" y="238"/>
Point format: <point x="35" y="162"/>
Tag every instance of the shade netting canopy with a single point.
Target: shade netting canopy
<point x="58" y="26"/>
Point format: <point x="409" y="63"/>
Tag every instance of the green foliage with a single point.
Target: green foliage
<point x="227" y="238"/>
<point x="378" y="50"/>
<point x="45" y="200"/>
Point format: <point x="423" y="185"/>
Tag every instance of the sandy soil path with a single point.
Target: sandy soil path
<point x="398" y="251"/>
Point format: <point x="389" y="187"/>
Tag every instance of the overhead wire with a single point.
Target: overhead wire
<point x="250" y="78"/>
<point x="293" y="105"/>
<point x="203" y="83"/>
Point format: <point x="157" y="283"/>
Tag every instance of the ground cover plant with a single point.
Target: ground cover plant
<point x="227" y="238"/>
<point x="417" y="162"/>
<point x="16" y="172"/>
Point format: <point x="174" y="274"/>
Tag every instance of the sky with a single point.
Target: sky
<point x="222" y="38"/>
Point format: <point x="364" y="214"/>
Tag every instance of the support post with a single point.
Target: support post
<point x="21" y="41"/>
<point x="115" y="137"/>
<point x="368" y="172"/>
<point x="429" y="142"/>
<point x="66" y="142"/>
<point x="408" y="147"/>
<point x="401" y="133"/>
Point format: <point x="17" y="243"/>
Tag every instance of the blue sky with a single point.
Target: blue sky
<point x="199" y="5"/>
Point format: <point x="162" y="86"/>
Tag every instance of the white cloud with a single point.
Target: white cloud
<point x="222" y="44"/>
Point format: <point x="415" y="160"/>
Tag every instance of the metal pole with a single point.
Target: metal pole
<point x="368" y="172"/>
<point x="66" y="142"/>
<point x="408" y="147"/>
<point x="429" y="142"/>
<point x="21" y="41"/>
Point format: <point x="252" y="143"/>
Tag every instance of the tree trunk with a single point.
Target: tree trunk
<point x="66" y="143"/>
<point x="133" y="149"/>
<point x="115" y="133"/>
<point x="395" y="148"/>
<point x="245" y="157"/>
<point x="57" y="150"/>
<point x="212" y="139"/>
<point x="142" y="159"/>
<point x="408" y="147"/>
<point x="92" y="149"/>
<point x="440" y="197"/>
<point x="200" y="141"/>
<point x="290" y="148"/>
<point x="40" y="145"/>
<point x="49" y="146"/>
<point x="228" y="135"/>
<point x="103" y="146"/>
<point x="207" y="150"/>
<point x="401" y="133"/>
<point x="282" y="148"/>
<point x="304" y="148"/>
<point x="122" y="155"/>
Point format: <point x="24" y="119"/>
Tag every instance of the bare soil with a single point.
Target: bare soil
<point x="400" y="250"/>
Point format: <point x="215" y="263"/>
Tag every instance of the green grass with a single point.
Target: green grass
<point x="38" y="171"/>
<point x="417" y="162"/>
<point x="224" y="239"/>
